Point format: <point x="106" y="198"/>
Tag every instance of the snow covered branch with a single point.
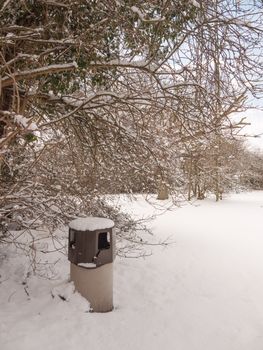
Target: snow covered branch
<point x="34" y="73"/>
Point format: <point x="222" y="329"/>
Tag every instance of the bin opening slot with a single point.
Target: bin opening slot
<point x="104" y="240"/>
<point x="72" y="239"/>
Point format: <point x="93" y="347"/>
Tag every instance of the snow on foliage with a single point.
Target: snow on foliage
<point x="25" y="122"/>
<point x="195" y="3"/>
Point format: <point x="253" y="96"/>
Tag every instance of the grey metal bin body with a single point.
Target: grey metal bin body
<point x="91" y="251"/>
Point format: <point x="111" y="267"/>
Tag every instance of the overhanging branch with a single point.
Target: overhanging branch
<point x="34" y="73"/>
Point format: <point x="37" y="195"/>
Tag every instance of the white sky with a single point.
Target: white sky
<point x="255" y="117"/>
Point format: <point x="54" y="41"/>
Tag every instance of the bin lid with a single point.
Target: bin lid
<point x="91" y="224"/>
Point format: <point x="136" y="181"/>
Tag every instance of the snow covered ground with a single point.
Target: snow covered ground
<point x="203" y="292"/>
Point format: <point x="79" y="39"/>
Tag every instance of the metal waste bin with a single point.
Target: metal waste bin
<point x="91" y="251"/>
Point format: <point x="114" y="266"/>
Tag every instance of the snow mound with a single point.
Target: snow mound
<point x="91" y="224"/>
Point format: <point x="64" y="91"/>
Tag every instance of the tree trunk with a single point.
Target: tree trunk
<point x="163" y="192"/>
<point x="190" y="180"/>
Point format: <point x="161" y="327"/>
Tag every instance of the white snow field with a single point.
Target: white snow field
<point x="204" y="292"/>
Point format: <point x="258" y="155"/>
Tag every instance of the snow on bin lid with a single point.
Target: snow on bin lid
<point x="91" y="224"/>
